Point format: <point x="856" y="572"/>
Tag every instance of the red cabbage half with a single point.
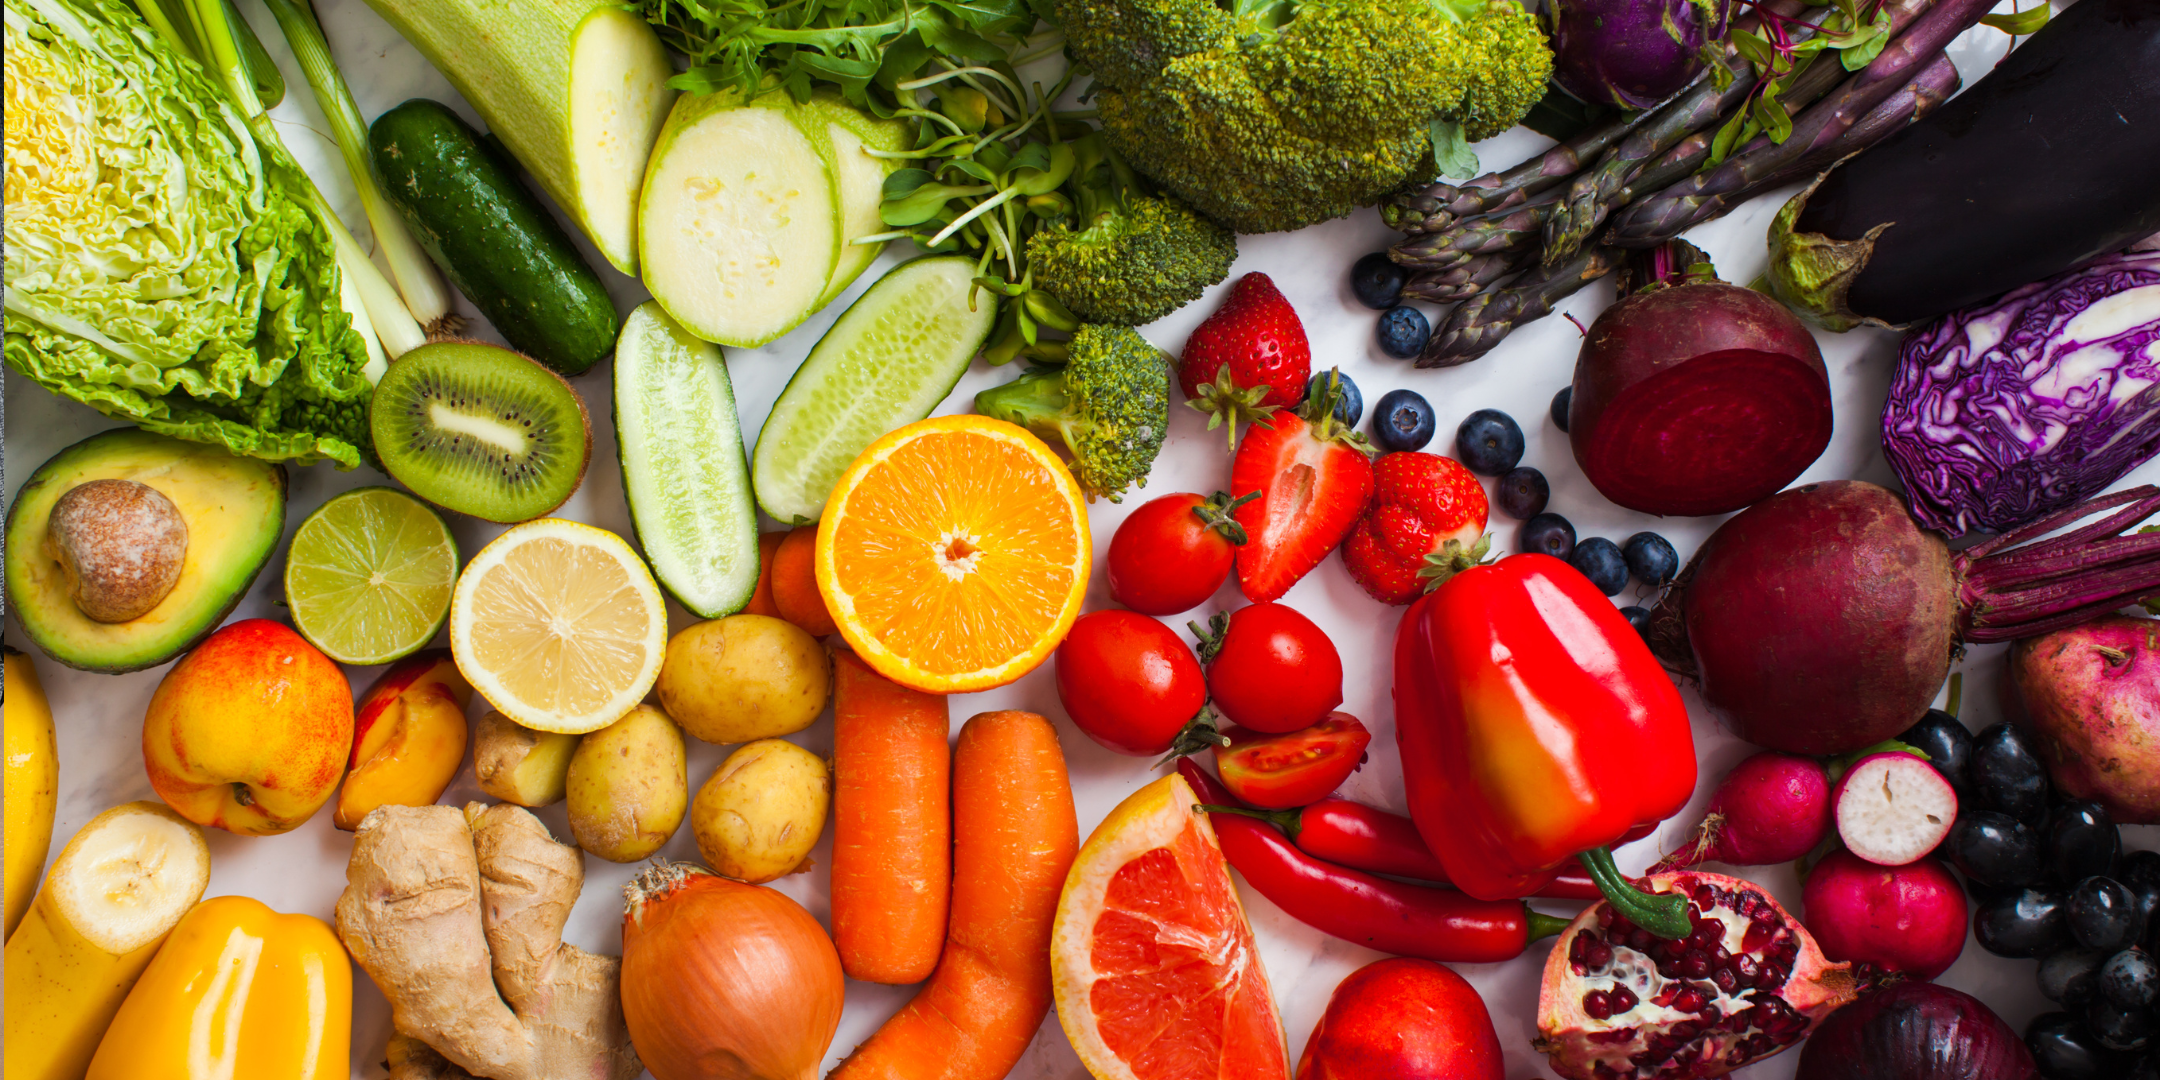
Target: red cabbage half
<point x="2003" y="413"/>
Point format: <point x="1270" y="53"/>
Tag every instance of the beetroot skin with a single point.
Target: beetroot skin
<point x="2092" y="695"/>
<point x="1697" y="399"/>
<point x="1771" y="808"/>
<point x="1907" y="918"/>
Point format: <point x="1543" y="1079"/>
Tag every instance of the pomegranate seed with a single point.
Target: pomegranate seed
<point x="1640" y="940"/>
<point x="1689" y="1000"/>
<point x="1605" y="918"/>
<point x="1598" y="955"/>
<point x="1623" y="999"/>
<point x="1707" y="932"/>
<point x="1596" y="1005"/>
<point x="1726" y="981"/>
<point x="1695" y="964"/>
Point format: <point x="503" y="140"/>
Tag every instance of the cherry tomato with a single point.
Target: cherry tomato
<point x="1174" y="552"/>
<point x="1270" y="669"/>
<point x="1129" y="682"/>
<point x="1277" y="772"/>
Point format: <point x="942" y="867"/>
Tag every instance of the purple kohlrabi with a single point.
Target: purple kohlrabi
<point x="2001" y="413"/>
<point x="1633" y="53"/>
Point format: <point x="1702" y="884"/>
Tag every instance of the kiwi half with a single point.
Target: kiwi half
<point x="481" y="430"/>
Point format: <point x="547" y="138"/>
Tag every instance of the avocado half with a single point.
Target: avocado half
<point x="235" y="513"/>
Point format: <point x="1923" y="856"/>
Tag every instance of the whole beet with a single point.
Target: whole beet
<point x="2091" y="697"/>
<point x="1632" y="53"/>
<point x="1916" y="1031"/>
<point x="1822" y="619"/>
<point x="1693" y="397"/>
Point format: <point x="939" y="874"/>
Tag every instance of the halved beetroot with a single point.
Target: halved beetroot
<point x="1696" y="397"/>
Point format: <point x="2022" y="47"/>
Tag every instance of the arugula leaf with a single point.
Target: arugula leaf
<point x="2020" y="23"/>
<point x="1452" y="151"/>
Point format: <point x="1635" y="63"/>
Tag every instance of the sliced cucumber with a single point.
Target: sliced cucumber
<point x="846" y="134"/>
<point x="892" y="356"/>
<point x="682" y="464"/>
<point x="736" y="227"/>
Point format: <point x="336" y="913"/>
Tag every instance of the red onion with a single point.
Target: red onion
<point x="1916" y="1031"/>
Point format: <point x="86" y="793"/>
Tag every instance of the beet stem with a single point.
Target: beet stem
<point x="2054" y="583"/>
<point x="2057" y="521"/>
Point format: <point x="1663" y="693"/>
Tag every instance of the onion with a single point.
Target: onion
<point x="1915" y="1031"/>
<point x="725" y="981"/>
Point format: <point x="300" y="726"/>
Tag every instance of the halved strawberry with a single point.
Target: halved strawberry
<point x="1427" y="521"/>
<point x="1314" y="477"/>
<point x="1248" y="359"/>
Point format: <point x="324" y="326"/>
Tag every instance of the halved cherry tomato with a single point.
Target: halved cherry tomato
<point x="1277" y="772"/>
<point x="1270" y="668"/>
<point x="1174" y="552"/>
<point x="1132" y="684"/>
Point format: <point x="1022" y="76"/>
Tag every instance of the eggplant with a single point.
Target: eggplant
<point x="2051" y="159"/>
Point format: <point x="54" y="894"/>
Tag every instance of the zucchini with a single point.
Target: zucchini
<point x="846" y="134"/>
<point x="890" y="358"/>
<point x="2051" y="159"/>
<point x="492" y="238"/>
<point x="684" y="473"/>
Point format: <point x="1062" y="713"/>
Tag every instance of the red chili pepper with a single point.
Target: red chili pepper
<point x="1391" y="916"/>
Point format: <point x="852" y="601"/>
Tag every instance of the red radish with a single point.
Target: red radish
<point x="1907" y="918"/>
<point x="1893" y="808"/>
<point x="1822" y="619"/>
<point x="1748" y="982"/>
<point x="1771" y="808"/>
<point x="1693" y="396"/>
<point x="2091" y="694"/>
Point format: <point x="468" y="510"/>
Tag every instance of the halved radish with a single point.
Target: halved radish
<point x="1892" y="808"/>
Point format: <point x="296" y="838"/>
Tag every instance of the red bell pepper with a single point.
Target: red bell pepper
<point x="1366" y="838"/>
<point x="1391" y="916"/>
<point x="1535" y="725"/>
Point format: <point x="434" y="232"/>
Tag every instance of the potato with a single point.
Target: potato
<point x="519" y="765"/>
<point x="744" y="677"/>
<point x="762" y="811"/>
<point x="628" y="785"/>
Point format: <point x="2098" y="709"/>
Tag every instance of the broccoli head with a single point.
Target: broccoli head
<point x="1135" y="257"/>
<point x="1282" y="113"/>
<point x="1108" y="406"/>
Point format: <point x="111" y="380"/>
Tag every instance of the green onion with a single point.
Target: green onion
<point x="426" y="297"/>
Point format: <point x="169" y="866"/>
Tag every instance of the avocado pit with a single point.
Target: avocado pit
<point x="120" y="545"/>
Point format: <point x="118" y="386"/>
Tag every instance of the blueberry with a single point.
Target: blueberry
<point x="2103" y="914"/>
<point x="1350" y="406"/>
<point x="2065" y="1050"/>
<point x="1637" y="617"/>
<point x="1948" y="745"/>
<point x="1600" y="560"/>
<point x="1489" y="442"/>
<point x="2082" y="842"/>
<point x="2007" y="775"/>
<point x="2130" y="979"/>
<point x="2070" y="977"/>
<point x="1402" y="332"/>
<point x="2022" y="923"/>
<point x="1651" y="558"/>
<point x="1560" y="403"/>
<point x="2127" y="1030"/>
<point x="1403" y="420"/>
<point x="1548" y="534"/>
<point x="1377" y="281"/>
<point x="1994" y="849"/>
<point x="1522" y="493"/>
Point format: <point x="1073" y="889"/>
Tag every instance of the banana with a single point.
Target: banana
<point x="116" y="890"/>
<point x="33" y="785"/>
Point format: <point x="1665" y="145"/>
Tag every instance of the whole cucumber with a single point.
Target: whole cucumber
<point x="492" y="237"/>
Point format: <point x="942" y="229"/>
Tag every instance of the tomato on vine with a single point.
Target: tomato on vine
<point x="1270" y="668"/>
<point x="1132" y="685"/>
<point x="1173" y="552"/>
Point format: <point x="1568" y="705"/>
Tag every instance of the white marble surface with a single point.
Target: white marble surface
<point x="99" y="717"/>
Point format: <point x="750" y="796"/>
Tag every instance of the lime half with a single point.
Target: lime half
<point x="369" y="576"/>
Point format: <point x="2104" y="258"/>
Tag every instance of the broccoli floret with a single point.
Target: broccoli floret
<point x="1136" y="257"/>
<point x="1108" y="406"/>
<point x="1282" y="114"/>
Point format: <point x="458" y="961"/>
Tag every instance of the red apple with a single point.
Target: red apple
<point x="409" y="738"/>
<point x="1403" y="1019"/>
<point x="250" y="731"/>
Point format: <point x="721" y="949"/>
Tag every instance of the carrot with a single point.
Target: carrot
<point x="1014" y="835"/>
<point x="761" y="601"/>
<point x="892" y="825"/>
<point x="794" y="583"/>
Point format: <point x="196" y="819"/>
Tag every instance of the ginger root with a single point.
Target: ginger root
<point x="458" y="917"/>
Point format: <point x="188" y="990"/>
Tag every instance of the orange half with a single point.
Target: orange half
<point x="1153" y="963"/>
<point x="954" y="553"/>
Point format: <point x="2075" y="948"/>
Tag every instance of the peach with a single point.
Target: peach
<point x="249" y="732"/>
<point x="409" y="738"/>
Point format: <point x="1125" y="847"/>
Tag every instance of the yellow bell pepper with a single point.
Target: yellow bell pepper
<point x="239" y="991"/>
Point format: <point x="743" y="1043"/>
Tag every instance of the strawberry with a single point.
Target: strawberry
<point x="1426" y="522"/>
<point x="1314" y="477"/>
<point x="1248" y="359"/>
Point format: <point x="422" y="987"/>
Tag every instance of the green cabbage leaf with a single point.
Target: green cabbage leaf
<point x="162" y="266"/>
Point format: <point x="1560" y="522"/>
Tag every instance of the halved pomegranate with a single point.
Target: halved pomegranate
<point x="1620" y="1004"/>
